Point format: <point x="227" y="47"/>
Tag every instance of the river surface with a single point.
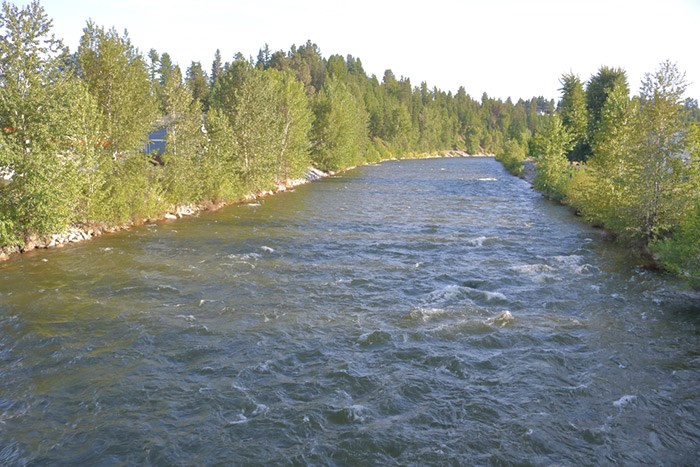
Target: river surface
<point x="431" y="312"/>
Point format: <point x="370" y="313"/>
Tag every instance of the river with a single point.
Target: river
<point x="415" y="312"/>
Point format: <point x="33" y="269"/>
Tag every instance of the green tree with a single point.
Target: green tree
<point x="217" y="69"/>
<point x="48" y="131"/>
<point x="550" y="147"/>
<point x="220" y="181"/>
<point x="656" y="166"/>
<point x="339" y="134"/>
<point x="197" y="83"/>
<point x="600" y="191"/>
<point x="512" y="156"/>
<point x="185" y="140"/>
<point x="118" y="77"/>
<point x="680" y="253"/>
<point x="249" y="97"/>
<point x="574" y="115"/>
<point x="296" y="120"/>
<point x="597" y="90"/>
<point x="308" y="66"/>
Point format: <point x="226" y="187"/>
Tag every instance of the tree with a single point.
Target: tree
<point x="197" y="83"/>
<point x="549" y="148"/>
<point x="48" y="128"/>
<point x="308" y="65"/>
<point x="182" y="118"/>
<point x="512" y="156"/>
<point x="574" y="116"/>
<point x="296" y="120"/>
<point x="166" y="68"/>
<point x="217" y="69"/>
<point x="680" y="253"/>
<point x="599" y="86"/>
<point x="656" y="166"/>
<point x="29" y="56"/>
<point x="218" y="167"/>
<point x="600" y="190"/>
<point x="250" y="99"/>
<point x="117" y="76"/>
<point x="339" y="135"/>
<point x="263" y="61"/>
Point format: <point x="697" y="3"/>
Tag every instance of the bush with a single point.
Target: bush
<point x="512" y="156"/>
<point x="680" y="253"/>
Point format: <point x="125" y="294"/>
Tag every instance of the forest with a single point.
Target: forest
<point x="75" y="124"/>
<point x="75" y="129"/>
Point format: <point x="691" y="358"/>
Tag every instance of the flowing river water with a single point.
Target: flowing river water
<point x="416" y="312"/>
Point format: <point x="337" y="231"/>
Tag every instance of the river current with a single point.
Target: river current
<point x="426" y="312"/>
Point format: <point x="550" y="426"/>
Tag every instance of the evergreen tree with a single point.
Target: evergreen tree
<point x="263" y="62"/>
<point x="574" y="115"/>
<point x="599" y="86"/>
<point x="197" y="83"/>
<point x="217" y="69"/>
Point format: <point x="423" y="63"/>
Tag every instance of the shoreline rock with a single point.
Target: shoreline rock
<point x="529" y="171"/>
<point x="78" y="233"/>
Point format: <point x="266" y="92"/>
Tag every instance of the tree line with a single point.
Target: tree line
<point x="75" y="123"/>
<point x="628" y="164"/>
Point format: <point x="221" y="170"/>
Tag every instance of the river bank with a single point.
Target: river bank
<point x="529" y="171"/>
<point x="82" y="232"/>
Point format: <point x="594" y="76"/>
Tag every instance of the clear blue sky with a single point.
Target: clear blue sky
<point x="502" y="47"/>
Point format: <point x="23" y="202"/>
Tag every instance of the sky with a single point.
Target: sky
<point x="506" y="48"/>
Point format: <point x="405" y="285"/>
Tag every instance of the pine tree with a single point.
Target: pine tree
<point x="197" y="83"/>
<point x="574" y="115"/>
<point x="217" y="69"/>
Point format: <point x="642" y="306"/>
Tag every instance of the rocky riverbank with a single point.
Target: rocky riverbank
<point x="529" y="171"/>
<point x="80" y="233"/>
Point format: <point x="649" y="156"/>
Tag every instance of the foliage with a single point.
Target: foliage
<point x="74" y="125"/>
<point x="49" y="129"/>
<point x="599" y="191"/>
<point x="117" y="76"/>
<point x="512" y="156"/>
<point x="295" y="124"/>
<point x="642" y="179"/>
<point x="549" y="149"/>
<point x="339" y="135"/>
<point x="680" y="253"/>
<point x="599" y="86"/>
<point x="574" y="115"/>
<point x="656" y="168"/>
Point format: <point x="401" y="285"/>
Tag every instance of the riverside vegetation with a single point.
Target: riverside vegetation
<point x="629" y="165"/>
<point x="74" y="126"/>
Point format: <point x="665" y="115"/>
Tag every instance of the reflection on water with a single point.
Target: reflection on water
<point x="416" y="312"/>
